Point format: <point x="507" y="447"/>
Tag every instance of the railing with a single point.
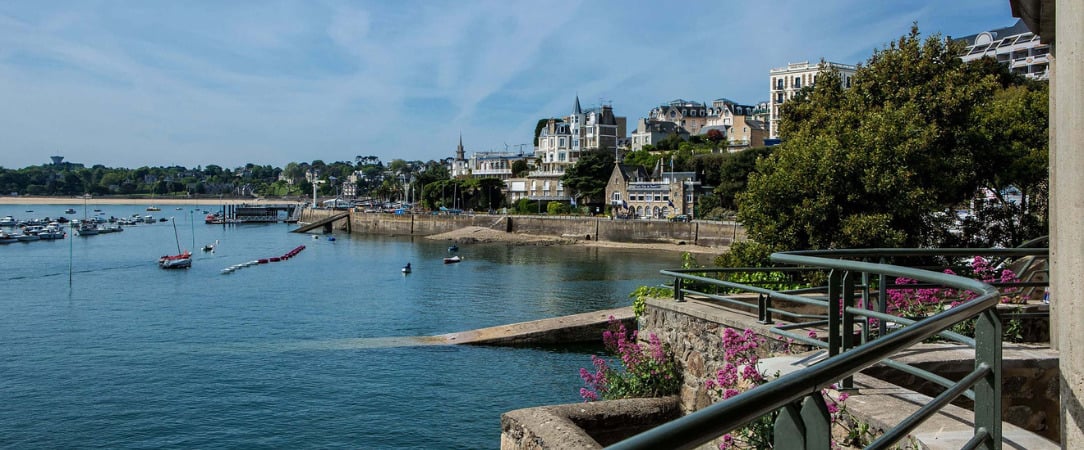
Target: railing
<point x="803" y="420"/>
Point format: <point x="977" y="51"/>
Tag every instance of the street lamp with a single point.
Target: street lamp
<point x="314" y="184"/>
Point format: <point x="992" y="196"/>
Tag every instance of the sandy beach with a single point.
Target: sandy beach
<point x="481" y="235"/>
<point x="30" y="200"/>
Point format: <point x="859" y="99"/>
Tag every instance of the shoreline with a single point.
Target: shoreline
<point x="482" y="235"/>
<point x="27" y="200"/>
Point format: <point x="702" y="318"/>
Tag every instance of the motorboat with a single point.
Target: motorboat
<point x="7" y="238"/>
<point x="7" y="221"/>
<point x="454" y="248"/>
<point x="210" y="247"/>
<point x="406" y="268"/>
<point x="153" y="208"/>
<point x="86" y="228"/>
<point x="69" y="211"/>
<point x="453" y="259"/>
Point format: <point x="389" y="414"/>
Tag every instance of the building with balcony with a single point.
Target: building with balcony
<point x="1014" y="46"/>
<point x="785" y="82"/>
<point x="651" y="132"/>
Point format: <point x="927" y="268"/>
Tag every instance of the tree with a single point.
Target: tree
<point x="871" y="165"/>
<point x="588" y="177"/>
<point x="519" y="168"/>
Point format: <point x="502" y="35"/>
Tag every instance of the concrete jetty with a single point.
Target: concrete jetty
<point x="577" y="328"/>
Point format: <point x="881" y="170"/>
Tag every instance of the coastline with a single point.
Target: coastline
<point x="482" y="235"/>
<point x="31" y="200"/>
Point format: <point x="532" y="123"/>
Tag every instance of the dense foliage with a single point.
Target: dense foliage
<point x="587" y="178"/>
<point x="884" y="163"/>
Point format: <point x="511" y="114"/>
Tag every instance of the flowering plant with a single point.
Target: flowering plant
<point x="740" y="373"/>
<point x="640" y="371"/>
<point x="920" y="302"/>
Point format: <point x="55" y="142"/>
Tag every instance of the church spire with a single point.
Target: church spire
<point x="576" y="109"/>
<point x="459" y="155"/>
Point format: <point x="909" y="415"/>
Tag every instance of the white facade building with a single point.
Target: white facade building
<point x="1015" y="46"/>
<point x="787" y="81"/>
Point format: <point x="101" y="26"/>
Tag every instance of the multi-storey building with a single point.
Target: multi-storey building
<point x="560" y="144"/>
<point x="787" y="81"/>
<point x="1015" y="46"/>
<point x="650" y="132"/>
<point x="634" y="193"/>
<point x="688" y="114"/>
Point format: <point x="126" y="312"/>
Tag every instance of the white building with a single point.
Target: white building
<point x="1015" y="46"/>
<point x="787" y="81"/>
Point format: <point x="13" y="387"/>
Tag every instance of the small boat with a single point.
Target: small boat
<point x="7" y="238"/>
<point x="27" y="237"/>
<point x="7" y="221"/>
<point x="86" y="228"/>
<point x="453" y="259"/>
<point x="152" y="208"/>
<point x="331" y="238"/>
<point x="210" y="247"/>
<point x="179" y="208"/>
<point x="182" y="260"/>
<point x="406" y="268"/>
<point x="454" y="248"/>
<point x="69" y="211"/>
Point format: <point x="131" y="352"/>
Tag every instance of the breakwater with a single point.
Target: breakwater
<point x="705" y="233"/>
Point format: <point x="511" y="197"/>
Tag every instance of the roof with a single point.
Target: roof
<point x="1000" y="33"/>
<point x="632" y="172"/>
<point x="722" y="128"/>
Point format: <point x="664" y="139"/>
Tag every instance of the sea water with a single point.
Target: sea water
<point x="101" y="348"/>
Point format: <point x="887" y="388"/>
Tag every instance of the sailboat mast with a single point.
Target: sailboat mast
<point x="175" y="236"/>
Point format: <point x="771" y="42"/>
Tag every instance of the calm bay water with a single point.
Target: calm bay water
<point x="313" y="352"/>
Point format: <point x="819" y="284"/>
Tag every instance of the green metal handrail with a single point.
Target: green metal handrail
<point x="796" y="394"/>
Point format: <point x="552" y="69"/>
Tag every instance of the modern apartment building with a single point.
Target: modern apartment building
<point x="787" y="81"/>
<point x="1015" y="46"/>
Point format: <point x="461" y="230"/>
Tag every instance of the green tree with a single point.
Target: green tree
<point x="587" y="178"/>
<point x="519" y="168"/>
<point x="871" y="165"/>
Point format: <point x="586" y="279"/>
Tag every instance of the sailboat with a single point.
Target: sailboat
<point x="182" y="260"/>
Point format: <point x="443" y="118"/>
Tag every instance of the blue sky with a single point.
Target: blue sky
<point x="129" y="84"/>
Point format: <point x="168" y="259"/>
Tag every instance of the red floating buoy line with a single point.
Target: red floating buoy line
<point x="284" y="257"/>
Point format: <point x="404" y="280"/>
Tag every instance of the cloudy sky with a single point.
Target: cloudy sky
<point x="129" y="84"/>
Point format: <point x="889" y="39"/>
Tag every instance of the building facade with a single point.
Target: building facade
<point x="651" y="132"/>
<point x="688" y="114"/>
<point x="560" y="144"/>
<point x="785" y="82"/>
<point x="1015" y="46"/>
<point x="633" y="193"/>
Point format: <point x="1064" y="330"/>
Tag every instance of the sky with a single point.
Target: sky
<point x="192" y="83"/>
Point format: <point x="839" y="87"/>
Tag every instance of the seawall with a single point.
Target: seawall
<point x="705" y="233"/>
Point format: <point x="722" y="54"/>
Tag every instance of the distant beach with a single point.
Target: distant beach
<point x="31" y="200"/>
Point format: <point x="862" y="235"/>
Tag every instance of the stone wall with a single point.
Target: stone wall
<point x="584" y="425"/>
<point x="711" y="234"/>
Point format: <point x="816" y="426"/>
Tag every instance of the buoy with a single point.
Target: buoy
<point x="331" y="238"/>
<point x="262" y="260"/>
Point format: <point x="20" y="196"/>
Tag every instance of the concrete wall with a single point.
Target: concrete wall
<point x="711" y="234"/>
<point x="583" y="425"/>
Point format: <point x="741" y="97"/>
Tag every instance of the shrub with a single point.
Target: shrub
<point x="639" y="371"/>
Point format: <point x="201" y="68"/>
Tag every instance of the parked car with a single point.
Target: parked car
<point x="680" y="218"/>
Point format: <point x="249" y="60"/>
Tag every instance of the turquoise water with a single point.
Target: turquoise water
<point x="314" y="352"/>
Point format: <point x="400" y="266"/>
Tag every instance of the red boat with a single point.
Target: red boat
<point x="179" y="261"/>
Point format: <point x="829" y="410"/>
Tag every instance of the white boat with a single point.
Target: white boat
<point x="406" y="268"/>
<point x="7" y="238"/>
<point x="453" y="259"/>
<point x="7" y="221"/>
<point x="86" y="228"/>
<point x="153" y="208"/>
<point x="52" y="231"/>
<point x="27" y="237"/>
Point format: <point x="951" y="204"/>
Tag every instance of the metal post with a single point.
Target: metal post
<point x="988" y="389"/>
<point x="834" y="282"/>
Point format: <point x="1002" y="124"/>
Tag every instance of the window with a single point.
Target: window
<point x="797" y="82"/>
<point x="657" y="197"/>
<point x="562" y="143"/>
<point x="616" y="197"/>
<point x="779" y="97"/>
<point x="779" y="83"/>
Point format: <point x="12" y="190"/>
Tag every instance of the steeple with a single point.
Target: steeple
<point x="459" y="155"/>
<point x="576" y="109"/>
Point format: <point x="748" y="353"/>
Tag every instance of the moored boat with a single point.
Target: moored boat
<point x="7" y="221"/>
<point x="7" y="238"/>
<point x="453" y="259"/>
